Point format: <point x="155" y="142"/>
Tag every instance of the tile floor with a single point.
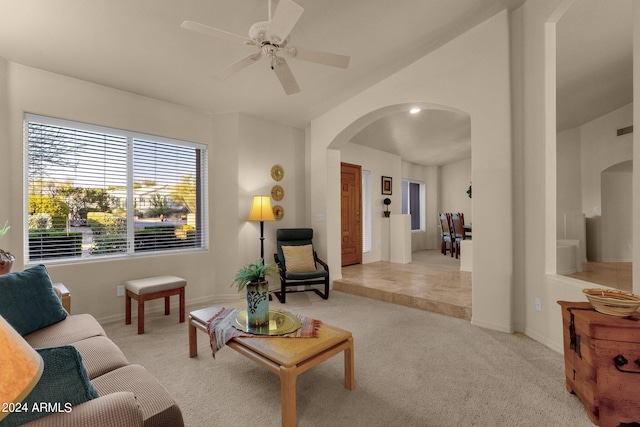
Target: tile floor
<point x="434" y="282"/>
<point x="431" y="282"/>
<point x="613" y="274"/>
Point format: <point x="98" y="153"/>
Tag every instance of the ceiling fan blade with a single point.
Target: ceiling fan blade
<point x="237" y="66"/>
<point x="284" y="19"/>
<point x="284" y="74"/>
<point x="210" y="31"/>
<point x="325" y="58"/>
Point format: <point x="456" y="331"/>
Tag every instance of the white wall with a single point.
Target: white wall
<point x="535" y="139"/>
<point x="617" y="213"/>
<point x="601" y="148"/>
<point x="242" y="150"/>
<point x="263" y="144"/>
<point x="569" y="172"/>
<point x="456" y="178"/>
<point x="583" y="154"/>
<point x="469" y="74"/>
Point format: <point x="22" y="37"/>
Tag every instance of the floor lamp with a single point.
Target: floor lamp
<point x="21" y="366"/>
<point x="261" y="211"/>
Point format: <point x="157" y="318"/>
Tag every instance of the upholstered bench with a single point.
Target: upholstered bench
<point x="152" y="288"/>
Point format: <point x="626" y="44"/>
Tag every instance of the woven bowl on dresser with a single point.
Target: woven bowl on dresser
<point x="613" y="301"/>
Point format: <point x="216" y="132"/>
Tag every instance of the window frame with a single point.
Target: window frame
<point x="366" y="212"/>
<point x="406" y="204"/>
<point x="131" y="137"/>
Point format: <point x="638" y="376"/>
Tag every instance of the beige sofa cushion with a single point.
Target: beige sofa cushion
<point x="100" y="355"/>
<point x="158" y="407"/>
<point x="73" y="328"/>
<point x="111" y="410"/>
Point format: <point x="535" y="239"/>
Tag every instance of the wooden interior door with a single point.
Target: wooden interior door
<point x="351" y="205"/>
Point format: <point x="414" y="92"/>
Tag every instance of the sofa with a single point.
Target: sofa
<point x="108" y="390"/>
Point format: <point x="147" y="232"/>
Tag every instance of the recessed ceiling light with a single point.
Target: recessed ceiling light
<point x="414" y="110"/>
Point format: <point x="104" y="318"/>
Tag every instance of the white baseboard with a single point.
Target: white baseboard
<point x="175" y="305"/>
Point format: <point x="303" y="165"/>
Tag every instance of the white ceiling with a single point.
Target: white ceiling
<point x="594" y="60"/>
<point x="430" y="137"/>
<point x="138" y="46"/>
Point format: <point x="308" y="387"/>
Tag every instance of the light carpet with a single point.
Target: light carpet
<point x="412" y="368"/>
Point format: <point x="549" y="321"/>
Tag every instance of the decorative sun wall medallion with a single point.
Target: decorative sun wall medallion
<point x="277" y="193"/>
<point x="278" y="212"/>
<point x="277" y="173"/>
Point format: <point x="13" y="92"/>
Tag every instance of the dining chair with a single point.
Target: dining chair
<point x="458" y="232"/>
<point x="467" y="227"/>
<point x="446" y="235"/>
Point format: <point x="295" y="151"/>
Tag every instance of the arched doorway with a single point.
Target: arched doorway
<point x="449" y="76"/>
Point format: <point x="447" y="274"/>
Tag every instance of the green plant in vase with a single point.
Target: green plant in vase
<point x="4" y="229"/>
<point x="254" y="277"/>
<point x="6" y="259"/>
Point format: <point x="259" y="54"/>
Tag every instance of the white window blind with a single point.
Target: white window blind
<point x="99" y="192"/>
<point x="366" y="210"/>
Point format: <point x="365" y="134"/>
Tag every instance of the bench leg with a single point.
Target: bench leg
<point x="181" y="305"/>
<point x="142" y="298"/>
<point x="127" y="309"/>
<point x="193" y="340"/>
<point x="140" y="315"/>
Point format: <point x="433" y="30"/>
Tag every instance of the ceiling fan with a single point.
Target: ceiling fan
<point x="272" y="38"/>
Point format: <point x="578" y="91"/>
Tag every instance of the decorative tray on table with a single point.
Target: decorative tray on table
<point x="280" y="323"/>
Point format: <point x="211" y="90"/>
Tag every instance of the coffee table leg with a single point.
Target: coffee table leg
<point x="193" y="340"/>
<point x="288" y="396"/>
<point x="349" y="371"/>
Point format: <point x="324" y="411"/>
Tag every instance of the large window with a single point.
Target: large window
<point x="101" y="192"/>
<point x="412" y="202"/>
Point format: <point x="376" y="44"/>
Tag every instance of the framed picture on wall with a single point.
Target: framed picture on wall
<point x="386" y="185"/>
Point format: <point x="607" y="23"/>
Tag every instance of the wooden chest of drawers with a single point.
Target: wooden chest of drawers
<point x="602" y="363"/>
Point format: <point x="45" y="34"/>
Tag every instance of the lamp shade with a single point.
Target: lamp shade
<point x="21" y="366"/>
<point x="261" y="209"/>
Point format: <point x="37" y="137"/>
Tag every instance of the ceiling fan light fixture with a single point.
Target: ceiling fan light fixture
<point x="258" y="30"/>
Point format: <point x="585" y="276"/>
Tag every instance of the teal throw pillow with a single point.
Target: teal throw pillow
<point x="64" y="384"/>
<point x="28" y="300"/>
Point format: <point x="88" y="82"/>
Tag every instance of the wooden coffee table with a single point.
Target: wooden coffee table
<point x="287" y="357"/>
